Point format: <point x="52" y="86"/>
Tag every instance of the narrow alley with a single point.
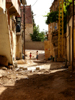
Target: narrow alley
<point x="37" y="49"/>
<point x="40" y="84"/>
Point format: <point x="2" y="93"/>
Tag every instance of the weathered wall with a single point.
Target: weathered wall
<point x="13" y="35"/>
<point x="2" y="5"/>
<point x="28" y="31"/>
<point x="5" y="48"/>
<point x="69" y="41"/>
<point x="50" y="39"/>
<point x="19" y="46"/>
<point x="54" y="6"/>
<point x="14" y="45"/>
<point x="69" y="51"/>
<point x="47" y="49"/>
<point x="34" y="45"/>
<point x="51" y="28"/>
<point x="16" y="5"/>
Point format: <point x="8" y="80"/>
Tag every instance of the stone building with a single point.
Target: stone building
<point x="28" y="22"/>
<point x="9" y="9"/>
<point x="53" y="29"/>
<point x="69" y="36"/>
<point x="53" y="34"/>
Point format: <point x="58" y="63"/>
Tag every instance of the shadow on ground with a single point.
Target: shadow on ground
<point x="55" y="86"/>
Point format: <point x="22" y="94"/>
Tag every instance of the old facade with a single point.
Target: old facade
<point x="69" y="37"/>
<point x="53" y="28"/>
<point x="53" y="35"/>
<point x="9" y="9"/>
<point x="28" y="22"/>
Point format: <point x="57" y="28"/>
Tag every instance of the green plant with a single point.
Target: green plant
<point x="52" y="17"/>
<point x="37" y="36"/>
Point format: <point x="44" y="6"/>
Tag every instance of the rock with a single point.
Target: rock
<point x="23" y="68"/>
<point x="8" y="73"/>
<point x="10" y="66"/>
<point x="0" y="75"/>
<point x="30" y="71"/>
<point x="4" y="68"/>
<point x="17" y="69"/>
<point x="2" y="72"/>
<point x="15" y="65"/>
<point x="3" y="60"/>
<point x="0" y="83"/>
<point x="21" y="61"/>
<point x="37" y="68"/>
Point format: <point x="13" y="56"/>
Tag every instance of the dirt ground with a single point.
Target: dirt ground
<point x="42" y="84"/>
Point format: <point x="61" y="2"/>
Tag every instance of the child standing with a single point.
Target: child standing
<point x="30" y="55"/>
<point x="37" y="55"/>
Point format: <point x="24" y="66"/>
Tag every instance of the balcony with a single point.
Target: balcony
<point x="2" y="5"/>
<point x="13" y="6"/>
<point x="23" y="2"/>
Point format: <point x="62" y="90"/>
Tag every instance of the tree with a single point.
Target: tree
<point x="52" y="17"/>
<point x="37" y="36"/>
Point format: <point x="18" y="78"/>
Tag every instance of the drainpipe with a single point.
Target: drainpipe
<point x="24" y="28"/>
<point x="73" y="38"/>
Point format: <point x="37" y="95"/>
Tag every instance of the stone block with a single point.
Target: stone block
<point x="0" y="75"/>
<point x="4" y="68"/>
<point x="25" y="69"/>
<point x="15" y="65"/>
<point x="37" y="68"/>
<point x="60" y="59"/>
<point x="3" y="61"/>
<point x="70" y="68"/>
<point x="10" y="66"/>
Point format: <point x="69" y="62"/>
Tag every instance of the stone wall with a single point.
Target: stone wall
<point x="28" y="31"/>
<point x="18" y="46"/>
<point x="34" y="45"/>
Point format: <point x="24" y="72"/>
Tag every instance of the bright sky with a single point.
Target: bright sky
<point x="40" y="8"/>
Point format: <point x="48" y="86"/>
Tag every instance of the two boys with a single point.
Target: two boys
<point x="36" y="55"/>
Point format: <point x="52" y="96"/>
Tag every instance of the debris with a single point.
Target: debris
<point x="8" y="72"/>
<point x="70" y="75"/>
<point x="30" y="71"/>
<point x="10" y="66"/>
<point x="21" y="61"/>
<point x="4" y="68"/>
<point x="15" y="65"/>
<point x="26" y="78"/>
<point x="17" y="69"/>
<point x="17" y="74"/>
<point x="0" y="75"/>
<point x="3" y="60"/>
<point x="23" y="68"/>
<point x="37" y="68"/>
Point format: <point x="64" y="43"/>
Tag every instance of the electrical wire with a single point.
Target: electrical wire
<point x="34" y="3"/>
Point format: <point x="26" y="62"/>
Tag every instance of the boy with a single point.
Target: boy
<point x="30" y="55"/>
<point x="37" y="55"/>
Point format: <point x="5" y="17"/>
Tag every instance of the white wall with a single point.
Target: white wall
<point x="14" y="45"/>
<point x="5" y="47"/>
<point x="3" y="5"/>
<point x="16" y="5"/>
